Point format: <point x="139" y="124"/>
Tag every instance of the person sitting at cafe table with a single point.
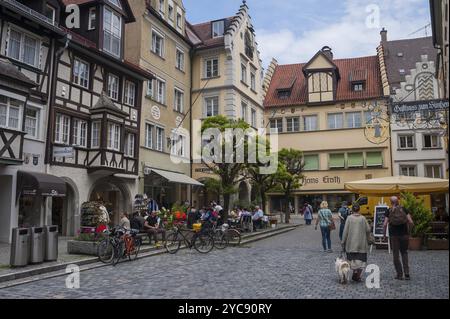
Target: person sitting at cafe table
<point x="137" y="222"/>
<point x="257" y="218"/>
<point x="153" y="227"/>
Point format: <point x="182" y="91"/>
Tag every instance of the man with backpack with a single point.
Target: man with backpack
<point x="308" y="213"/>
<point x="398" y="220"/>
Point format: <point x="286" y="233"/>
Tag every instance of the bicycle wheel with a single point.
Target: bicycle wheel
<point x="233" y="237"/>
<point x="173" y="243"/>
<point x="119" y="252"/>
<point x="203" y="243"/>
<point x="105" y="251"/>
<point x="220" y="241"/>
<point x="137" y="249"/>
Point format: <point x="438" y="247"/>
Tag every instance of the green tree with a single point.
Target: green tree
<point x="289" y="175"/>
<point x="420" y="214"/>
<point x="230" y="173"/>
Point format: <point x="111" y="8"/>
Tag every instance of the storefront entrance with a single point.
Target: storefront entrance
<point x="114" y="195"/>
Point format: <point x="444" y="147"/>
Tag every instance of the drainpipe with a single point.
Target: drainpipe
<point x="191" y="159"/>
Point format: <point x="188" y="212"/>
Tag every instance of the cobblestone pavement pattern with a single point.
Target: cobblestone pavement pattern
<point x="291" y="266"/>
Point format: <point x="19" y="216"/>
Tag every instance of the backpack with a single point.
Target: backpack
<point x="397" y="216"/>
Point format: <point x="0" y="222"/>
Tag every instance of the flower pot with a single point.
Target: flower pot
<point x="437" y="244"/>
<point x="88" y="248"/>
<point x="415" y="243"/>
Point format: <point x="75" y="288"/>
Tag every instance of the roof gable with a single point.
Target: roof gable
<point x="319" y="62"/>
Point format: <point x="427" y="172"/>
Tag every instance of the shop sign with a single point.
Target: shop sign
<point x="65" y="152"/>
<point x="324" y="180"/>
<point x="204" y="170"/>
<point x="419" y="106"/>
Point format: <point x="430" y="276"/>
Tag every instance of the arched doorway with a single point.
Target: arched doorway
<point x="65" y="210"/>
<point x="114" y="194"/>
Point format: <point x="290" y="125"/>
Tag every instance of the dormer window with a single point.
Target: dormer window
<point x="284" y="94"/>
<point x="218" y="29"/>
<point x="112" y="32"/>
<point x="358" y="86"/>
<point x="179" y="21"/>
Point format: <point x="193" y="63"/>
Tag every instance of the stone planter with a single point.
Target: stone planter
<point x="87" y="248"/>
<point x="437" y="244"/>
<point x="415" y="243"/>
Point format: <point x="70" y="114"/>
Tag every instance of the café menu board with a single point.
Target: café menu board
<point x="380" y="214"/>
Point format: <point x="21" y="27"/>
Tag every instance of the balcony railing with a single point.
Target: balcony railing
<point x="29" y="11"/>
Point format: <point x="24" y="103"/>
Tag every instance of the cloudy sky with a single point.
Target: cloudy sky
<point x="292" y="31"/>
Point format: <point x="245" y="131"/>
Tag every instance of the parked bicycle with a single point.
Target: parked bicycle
<point x="225" y="236"/>
<point x="203" y="242"/>
<point x="129" y="246"/>
<point x="118" y="244"/>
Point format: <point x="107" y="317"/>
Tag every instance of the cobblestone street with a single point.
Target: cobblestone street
<point x="291" y="266"/>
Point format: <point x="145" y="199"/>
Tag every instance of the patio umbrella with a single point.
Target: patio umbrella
<point x="397" y="184"/>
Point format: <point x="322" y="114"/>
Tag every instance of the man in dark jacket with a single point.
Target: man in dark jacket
<point x="398" y="220"/>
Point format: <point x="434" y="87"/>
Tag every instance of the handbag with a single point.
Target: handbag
<point x="332" y="225"/>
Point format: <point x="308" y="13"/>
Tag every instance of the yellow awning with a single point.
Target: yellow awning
<point x="397" y="184"/>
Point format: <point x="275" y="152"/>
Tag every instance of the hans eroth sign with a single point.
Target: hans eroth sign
<point x="336" y="180"/>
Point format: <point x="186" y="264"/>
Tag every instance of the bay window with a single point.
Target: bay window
<point x="112" y="32"/>
<point x="95" y="134"/>
<point x="114" y="137"/>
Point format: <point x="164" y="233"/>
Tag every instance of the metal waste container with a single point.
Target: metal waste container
<point x="51" y="243"/>
<point x="37" y="246"/>
<point x="20" y="247"/>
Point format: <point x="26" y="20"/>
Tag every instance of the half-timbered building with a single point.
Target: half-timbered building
<point x="95" y="112"/>
<point x="28" y="30"/>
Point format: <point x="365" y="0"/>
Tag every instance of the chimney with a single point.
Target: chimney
<point x="328" y="52"/>
<point x="383" y="34"/>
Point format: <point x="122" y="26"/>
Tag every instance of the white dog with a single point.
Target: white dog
<point x="343" y="270"/>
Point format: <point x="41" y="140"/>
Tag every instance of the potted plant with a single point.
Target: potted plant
<point x="421" y="217"/>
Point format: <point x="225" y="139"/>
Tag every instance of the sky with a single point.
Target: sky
<point x="292" y="31"/>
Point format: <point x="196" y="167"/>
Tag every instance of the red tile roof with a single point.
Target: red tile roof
<point x="362" y="68"/>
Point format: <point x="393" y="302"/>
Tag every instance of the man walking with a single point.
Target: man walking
<point x="398" y="220"/>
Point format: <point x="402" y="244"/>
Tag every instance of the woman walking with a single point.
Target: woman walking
<point x="325" y="220"/>
<point x="355" y="242"/>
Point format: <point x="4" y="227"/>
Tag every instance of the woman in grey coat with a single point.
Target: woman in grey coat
<point x="355" y="242"/>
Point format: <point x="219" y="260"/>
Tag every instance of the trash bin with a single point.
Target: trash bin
<point x="51" y="243"/>
<point x="20" y="247"/>
<point x="37" y="245"/>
